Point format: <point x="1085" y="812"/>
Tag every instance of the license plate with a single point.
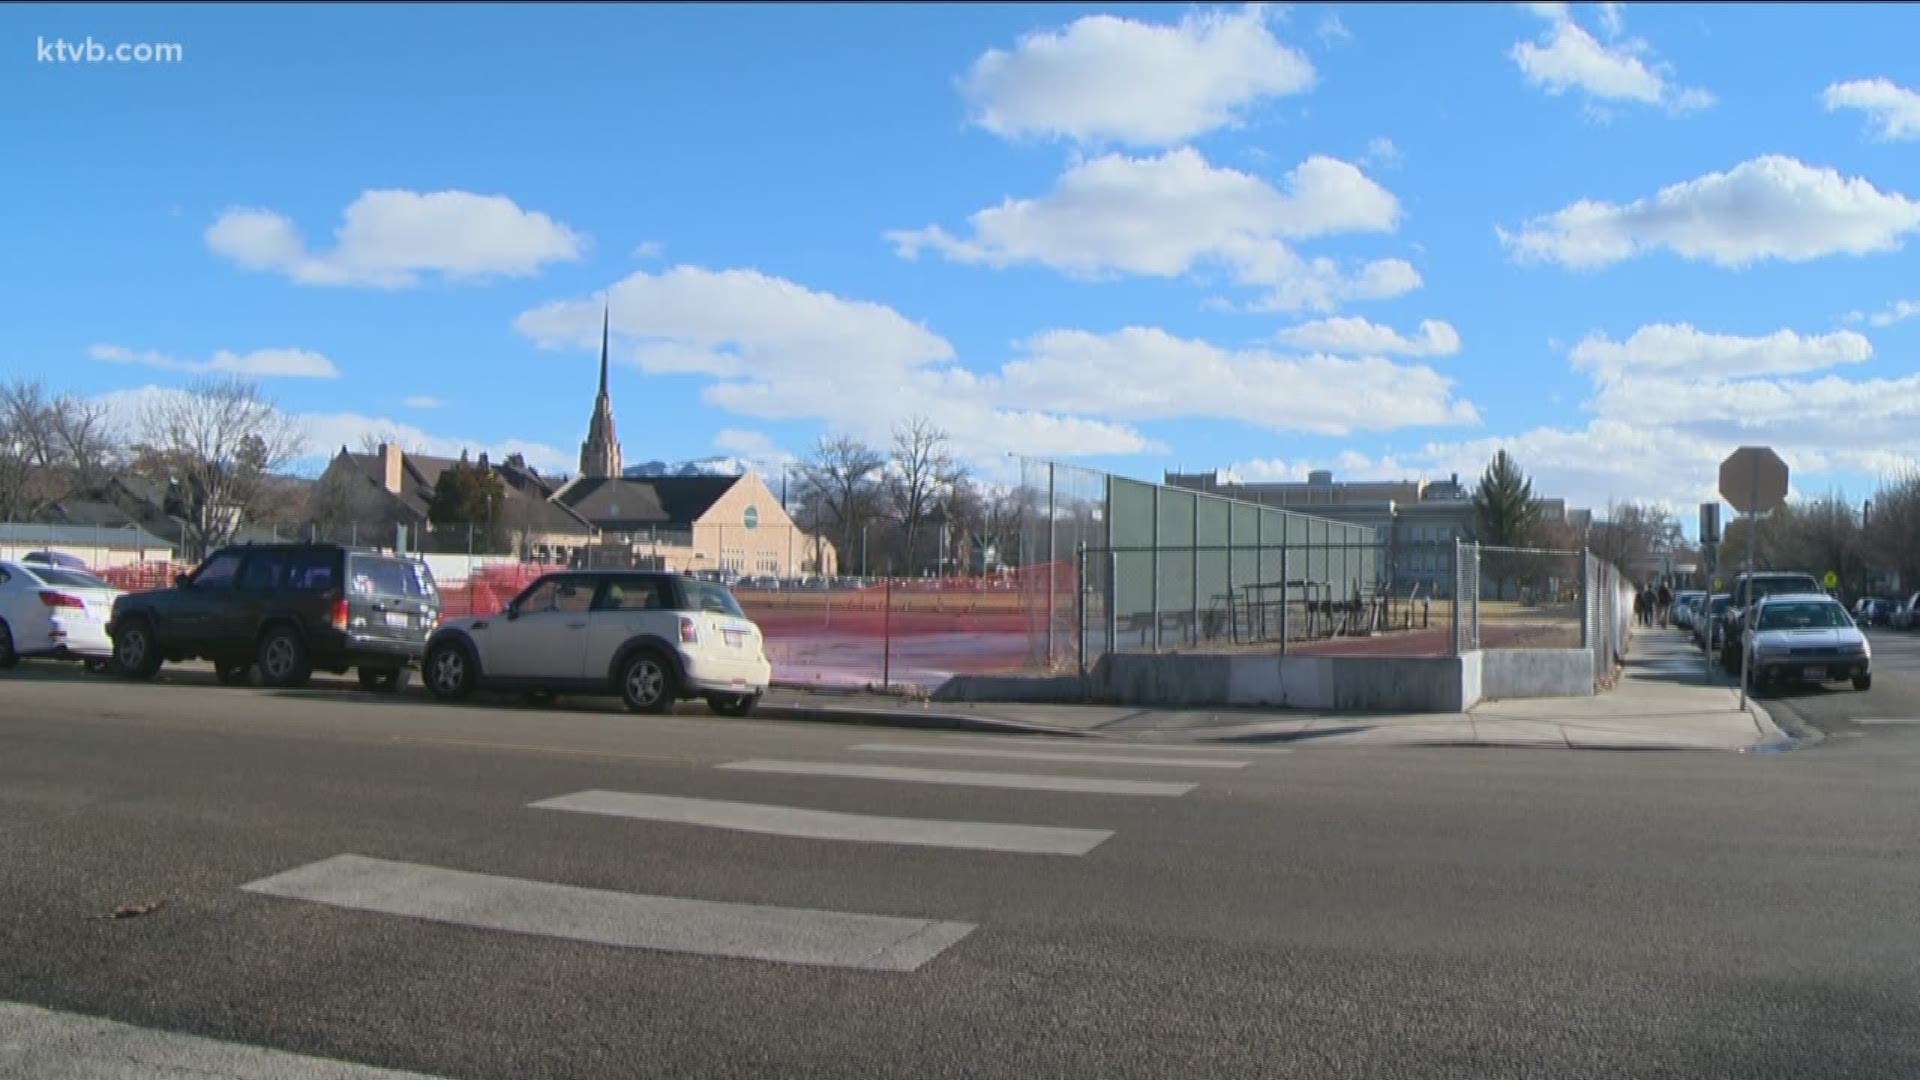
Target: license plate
<point x="1814" y="674"/>
<point x="399" y="619"/>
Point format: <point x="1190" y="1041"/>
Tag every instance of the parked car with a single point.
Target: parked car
<point x="651" y="638"/>
<point x="1748" y="588"/>
<point x="1872" y="610"/>
<point x="56" y="612"/>
<point x="1906" y="615"/>
<point x="1707" y="625"/>
<point x="55" y="558"/>
<point x="1807" y="637"/>
<point x="286" y="609"/>
<point x="1686" y="605"/>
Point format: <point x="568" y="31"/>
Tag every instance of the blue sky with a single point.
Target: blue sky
<point x="1619" y="240"/>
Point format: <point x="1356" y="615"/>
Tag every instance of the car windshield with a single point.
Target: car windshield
<point x="709" y="596"/>
<point x="1803" y="615"/>
<point x="72" y="579"/>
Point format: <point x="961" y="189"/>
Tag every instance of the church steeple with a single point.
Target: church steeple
<point x="600" y="454"/>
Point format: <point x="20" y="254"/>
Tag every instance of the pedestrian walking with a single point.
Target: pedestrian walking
<point x="1666" y="603"/>
<point x="1640" y="607"/>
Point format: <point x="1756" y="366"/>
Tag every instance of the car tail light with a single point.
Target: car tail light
<point x="60" y="600"/>
<point x="340" y="614"/>
<point x="689" y="633"/>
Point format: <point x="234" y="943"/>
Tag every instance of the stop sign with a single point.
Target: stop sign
<point x="1753" y="480"/>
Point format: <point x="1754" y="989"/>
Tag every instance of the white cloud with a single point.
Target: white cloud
<point x="774" y="350"/>
<point x="1173" y="214"/>
<point x="387" y="239"/>
<point x="260" y="363"/>
<point x="1612" y="18"/>
<point x="424" y="401"/>
<point x="1894" y="109"/>
<point x="323" y="434"/>
<point x="1684" y="352"/>
<point x="1103" y="77"/>
<point x="749" y="444"/>
<point x="1566" y="57"/>
<point x="1383" y="154"/>
<point x="1332" y="30"/>
<point x="1897" y="312"/>
<point x="1142" y="373"/>
<point x="1354" y="335"/>
<point x="649" y="249"/>
<point x="1770" y="207"/>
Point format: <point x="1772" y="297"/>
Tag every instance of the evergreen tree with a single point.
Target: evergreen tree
<point x="468" y="495"/>
<point x="1504" y="506"/>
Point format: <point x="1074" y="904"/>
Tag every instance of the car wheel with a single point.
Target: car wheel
<point x="135" y="651"/>
<point x="233" y="672"/>
<point x="385" y="680"/>
<point x="8" y="657"/>
<point x="450" y="671"/>
<point x="1863" y="682"/>
<point x="732" y="704"/>
<point x="283" y="659"/>
<point x="646" y="683"/>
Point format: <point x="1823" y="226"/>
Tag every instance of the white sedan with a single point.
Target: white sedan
<point x="51" y="611"/>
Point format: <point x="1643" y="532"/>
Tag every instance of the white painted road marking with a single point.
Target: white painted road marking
<point x="1044" y="755"/>
<point x="664" y="923"/>
<point x="48" y="1045"/>
<point x="1020" y="781"/>
<point x="1886" y="719"/>
<point x="828" y="825"/>
<point x="1104" y="745"/>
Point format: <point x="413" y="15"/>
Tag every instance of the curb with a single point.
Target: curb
<point x="904" y="718"/>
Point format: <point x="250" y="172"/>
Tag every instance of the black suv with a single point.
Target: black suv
<point x="1747" y="588"/>
<point x="286" y="609"/>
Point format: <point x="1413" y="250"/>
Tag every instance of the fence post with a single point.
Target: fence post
<point x="886" y="635"/>
<point x="1079" y="587"/>
<point x="1476" y="596"/>
<point x="1586" y="606"/>
<point x="1113" y="597"/>
<point x="1283" y="598"/>
<point x="1079" y="604"/>
<point x="1456" y="596"/>
<point x="1154" y="593"/>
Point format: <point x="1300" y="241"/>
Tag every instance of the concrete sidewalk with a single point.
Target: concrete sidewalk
<point x="1666" y="699"/>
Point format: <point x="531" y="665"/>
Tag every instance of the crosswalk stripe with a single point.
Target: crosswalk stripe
<point x="51" y="1045"/>
<point x="629" y="920"/>
<point x="1106" y="745"/>
<point x="1043" y="755"/>
<point x="1019" y="781"/>
<point x="828" y="825"/>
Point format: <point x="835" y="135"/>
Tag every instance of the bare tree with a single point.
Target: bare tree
<point x="1633" y="531"/>
<point x="51" y="447"/>
<point x="838" y="488"/>
<point x="1892" y="527"/>
<point x="922" y="472"/>
<point x="217" y="444"/>
<point x="985" y="520"/>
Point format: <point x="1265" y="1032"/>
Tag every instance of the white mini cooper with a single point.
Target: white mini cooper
<point x="652" y="638"/>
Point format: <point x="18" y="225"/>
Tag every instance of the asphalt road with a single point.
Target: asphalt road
<point x="1334" y="913"/>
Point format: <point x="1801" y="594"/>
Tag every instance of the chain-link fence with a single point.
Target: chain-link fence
<point x="1524" y="598"/>
<point x="1609" y="618"/>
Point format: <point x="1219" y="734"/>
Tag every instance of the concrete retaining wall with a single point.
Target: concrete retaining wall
<point x="1444" y="684"/>
<point x="1531" y="673"/>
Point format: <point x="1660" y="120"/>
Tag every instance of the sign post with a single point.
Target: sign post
<point x="1754" y="480"/>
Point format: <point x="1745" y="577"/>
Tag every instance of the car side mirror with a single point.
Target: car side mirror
<point x="512" y="611"/>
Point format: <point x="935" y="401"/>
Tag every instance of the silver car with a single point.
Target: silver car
<point x="1807" y="638"/>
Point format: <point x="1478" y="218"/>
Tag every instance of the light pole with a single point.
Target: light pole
<point x="863" y="549"/>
